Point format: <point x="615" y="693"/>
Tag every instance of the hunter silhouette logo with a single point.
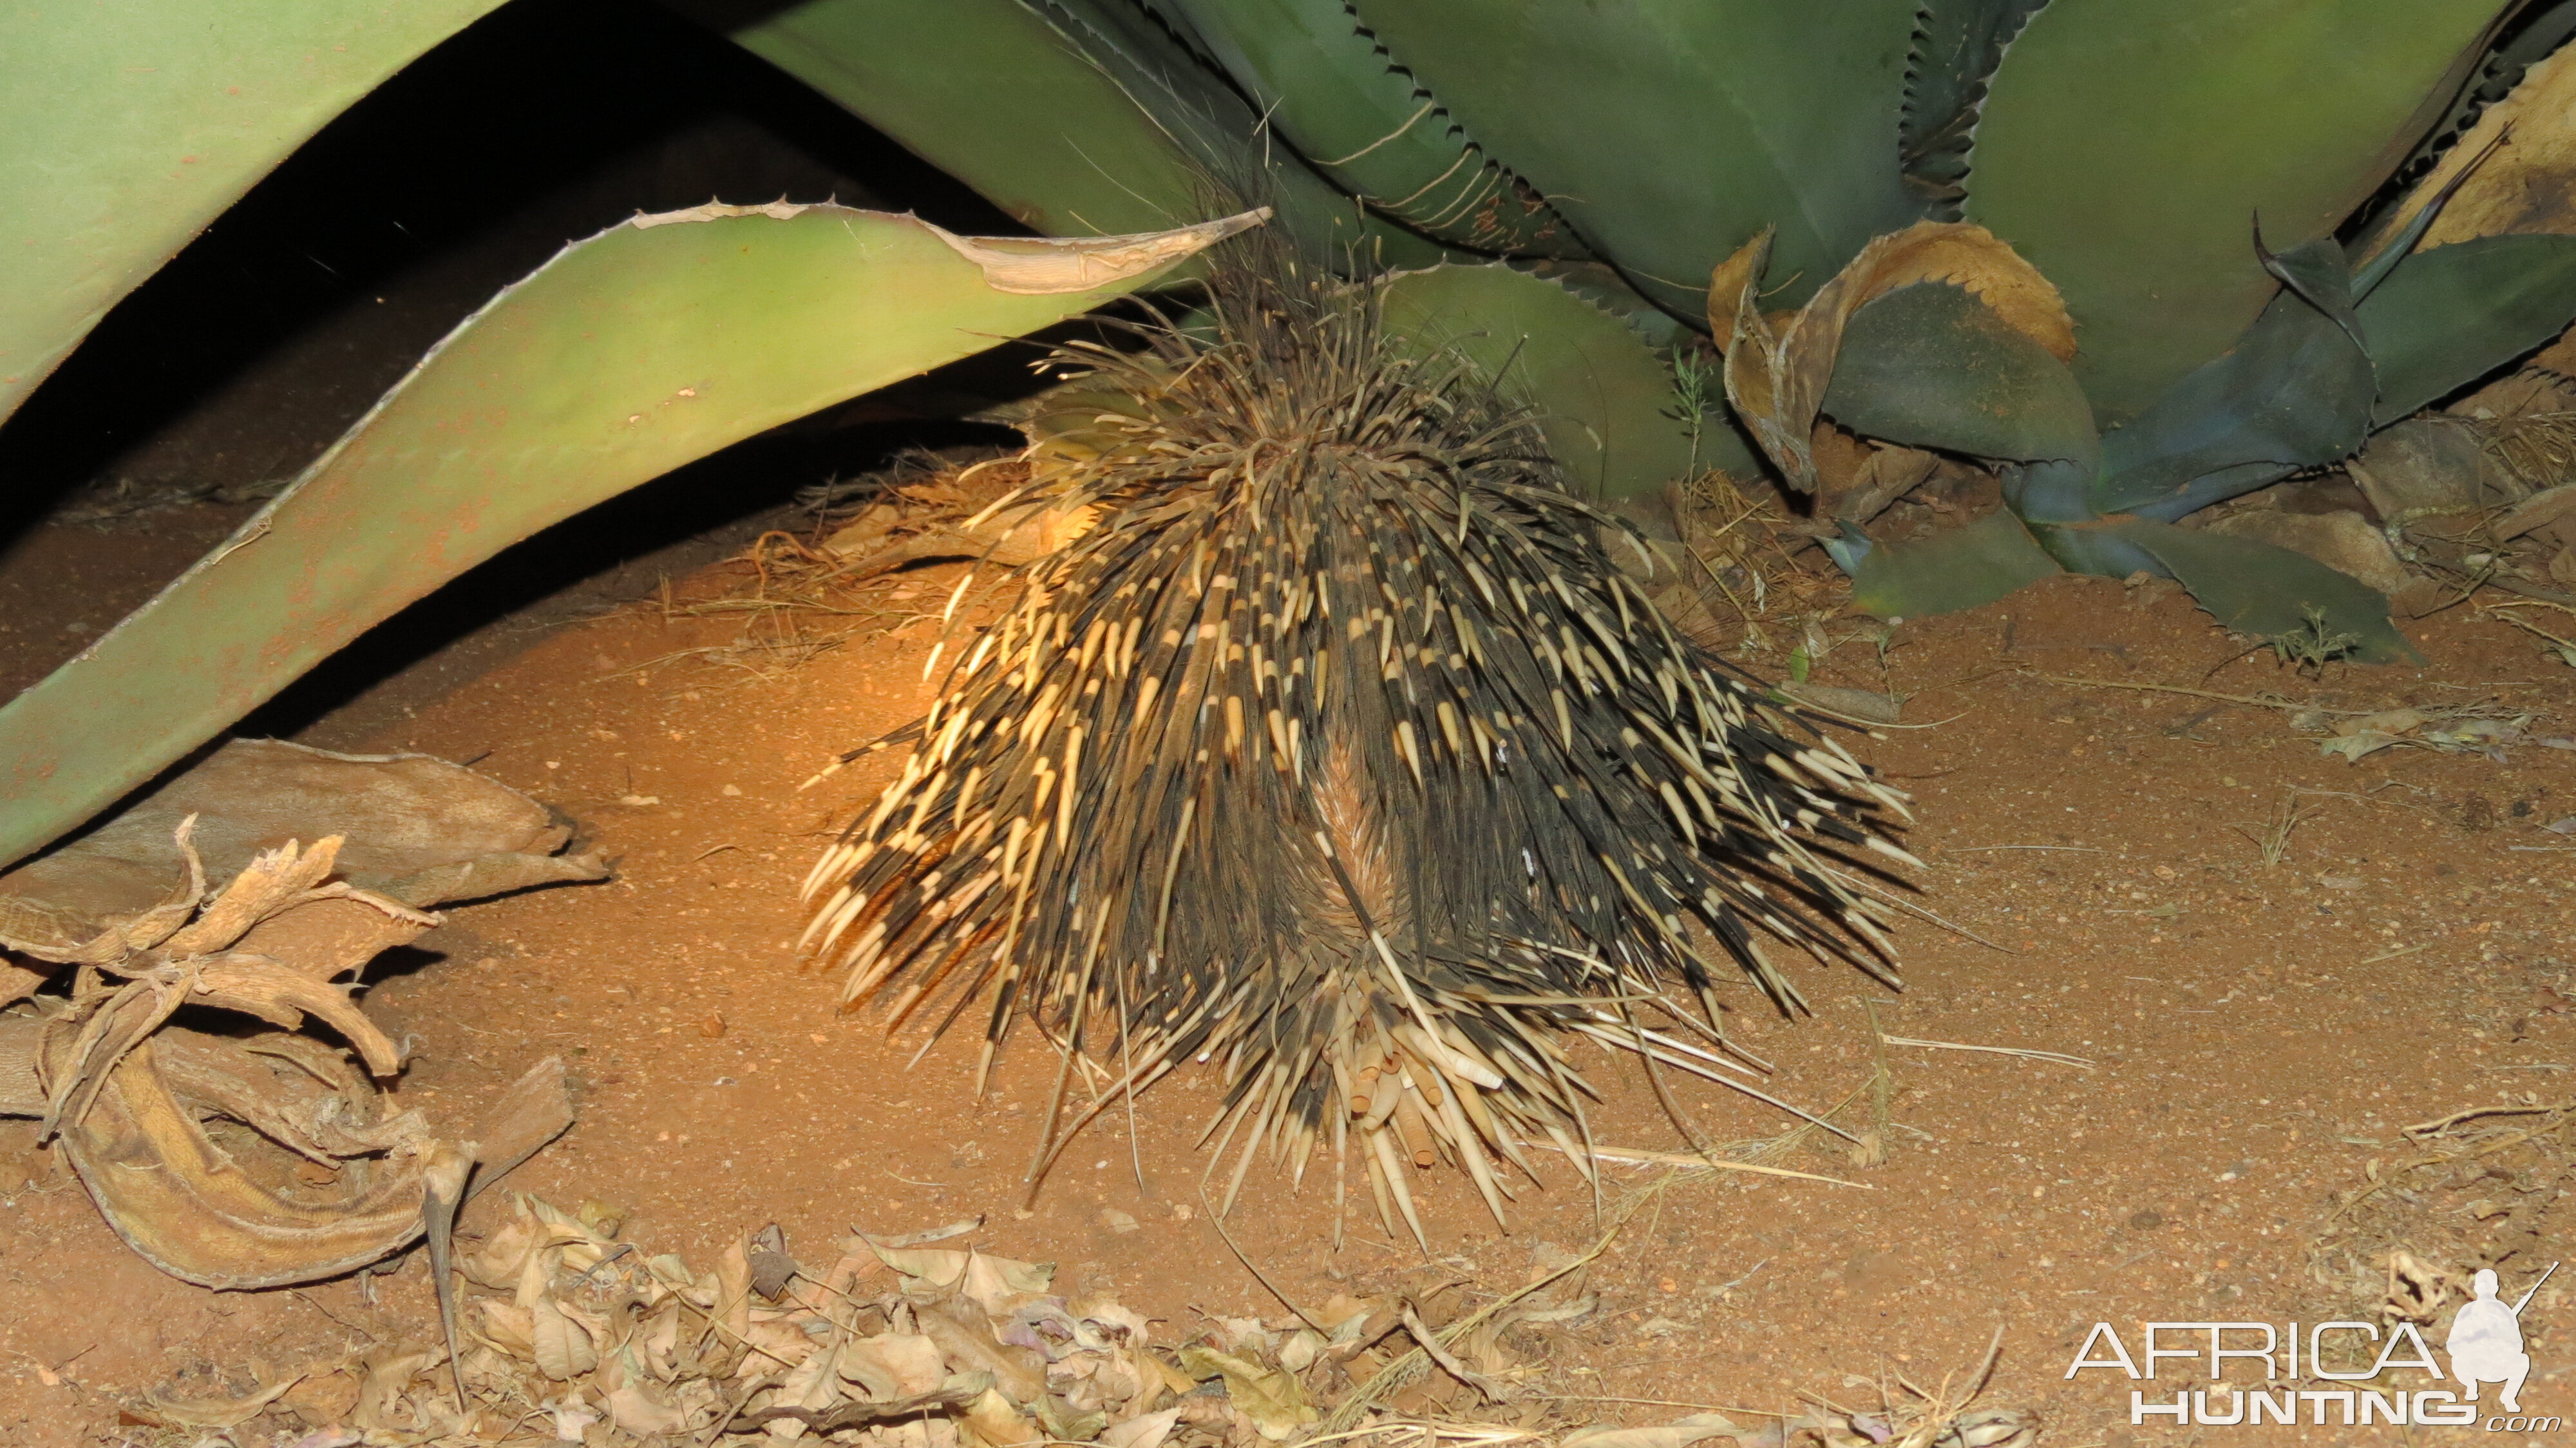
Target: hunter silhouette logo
<point x="2486" y="1340"/>
<point x="2484" y="1345"/>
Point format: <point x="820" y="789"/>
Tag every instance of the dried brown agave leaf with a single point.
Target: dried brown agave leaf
<point x="271" y="879"/>
<point x="193" y="1212"/>
<point x="293" y="1090"/>
<point x="188" y="1207"/>
<point x="17" y="982"/>
<point x="2523" y="186"/>
<point x="1728" y="285"/>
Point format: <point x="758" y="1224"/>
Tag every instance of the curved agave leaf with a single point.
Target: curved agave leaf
<point x="2124" y="157"/>
<point x="1068" y="124"/>
<point x="1225" y="138"/>
<point x="1776" y="376"/>
<point x="2448" y="316"/>
<point x="654" y="343"/>
<point x="1047" y="137"/>
<point x="1330" y="92"/>
<point x="1607" y="401"/>
<point x="125" y="129"/>
<point x="2295" y="391"/>
<point x="1931" y="366"/>
<point x="2272" y="593"/>
<point x="1669" y="132"/>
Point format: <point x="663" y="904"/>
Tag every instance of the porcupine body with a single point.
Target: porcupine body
<point x="1337" y="752"/>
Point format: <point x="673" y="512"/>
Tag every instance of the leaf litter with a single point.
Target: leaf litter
<point x="571" y="1334"/>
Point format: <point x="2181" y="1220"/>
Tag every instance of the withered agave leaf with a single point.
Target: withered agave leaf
<point x="2504" y="190"/>
<point x="1930" y="365"/>
<point x="1776" y="378"/>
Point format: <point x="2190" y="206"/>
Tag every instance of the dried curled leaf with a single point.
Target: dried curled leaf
<point x="1776" y="375"/>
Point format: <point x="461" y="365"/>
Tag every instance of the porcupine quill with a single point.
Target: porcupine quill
<point x="1336" y="752"/>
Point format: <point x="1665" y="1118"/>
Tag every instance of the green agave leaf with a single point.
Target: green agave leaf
<point x="2270" y="592"/>
<point x="2294" y="392"/>
<point x="2448" y="316"/>
<point x="1670" y="131"/>
<point x="649" y="345"/>
<point x="1330" y="92"/>
<point x="1956" y="50"/>
<point x="1960" y="569"/>
<point x="1072" y="125"/>
<point x="125" y="129"/>
<point x="2123" y="154"/>
<point x="1048" y="138"/>
<point x="1931" y="366"/>
<point x="1606" y="400"/>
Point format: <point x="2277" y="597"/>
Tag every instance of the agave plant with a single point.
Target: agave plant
<point x="1590" y="198"/>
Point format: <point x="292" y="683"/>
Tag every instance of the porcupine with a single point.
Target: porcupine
<point x="1337" y="751"/>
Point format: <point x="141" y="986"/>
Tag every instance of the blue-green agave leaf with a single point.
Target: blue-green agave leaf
<point x="2271" y="592"/>
<point x="1931" y="366"/>
<point x="2294" y="392"/>
<point x="2448" y="316"/>
<point x="1959" y="569"/>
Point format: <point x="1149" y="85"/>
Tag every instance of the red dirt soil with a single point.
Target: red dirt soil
<point x="2251" y="1027"/>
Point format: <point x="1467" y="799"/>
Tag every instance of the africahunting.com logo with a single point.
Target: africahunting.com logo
<point x="2484" y="1346"/>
